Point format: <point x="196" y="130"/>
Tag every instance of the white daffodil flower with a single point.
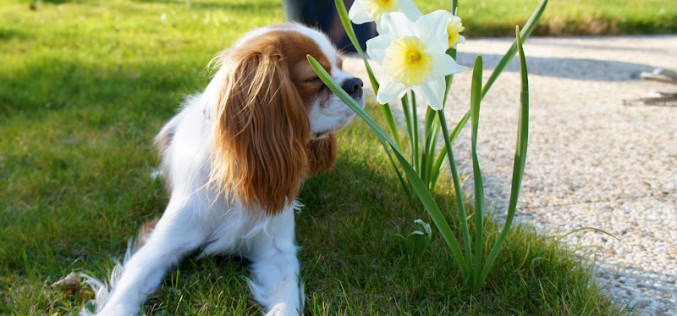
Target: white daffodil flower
<point x="454" y="29"/>
<point x="363" y="11"/>
<point x="413" y="57"/>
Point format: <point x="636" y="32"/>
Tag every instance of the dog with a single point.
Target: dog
<point x="234" y="159"/>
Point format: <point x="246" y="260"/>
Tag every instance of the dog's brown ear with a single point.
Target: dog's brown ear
<point x="322" y="154"/>
<point x="261" y="130"/>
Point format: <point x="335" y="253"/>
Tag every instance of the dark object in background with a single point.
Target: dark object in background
<point x="322" y="14"/>
<point x="661" y="98"/>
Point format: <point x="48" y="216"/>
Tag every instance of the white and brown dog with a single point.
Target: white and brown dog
<point x="234" y="159"/>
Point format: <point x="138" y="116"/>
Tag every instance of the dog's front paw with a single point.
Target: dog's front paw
<point x="282" y="309"/>
<point x="117" y="310"/>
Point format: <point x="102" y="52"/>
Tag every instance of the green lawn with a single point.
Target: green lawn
<point x="85" y="86"/>
<point x="575" y="17"/>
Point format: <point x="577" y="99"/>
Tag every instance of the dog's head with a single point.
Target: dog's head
<point x="274" y="119"/>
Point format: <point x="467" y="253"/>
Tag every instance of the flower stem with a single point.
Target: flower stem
<point x="414" y="120"/>
<point x="457" y="189"/>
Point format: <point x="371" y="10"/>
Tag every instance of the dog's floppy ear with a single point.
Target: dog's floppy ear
<point x="261" y="130"/>
<point x="322" y="154"/>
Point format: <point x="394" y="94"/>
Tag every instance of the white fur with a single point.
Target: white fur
<point x="198" y="217"/>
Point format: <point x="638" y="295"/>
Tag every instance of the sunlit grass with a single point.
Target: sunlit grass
<point x="587" y="17"/>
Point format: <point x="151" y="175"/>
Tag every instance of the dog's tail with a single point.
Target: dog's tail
<point x="102" y="291"/>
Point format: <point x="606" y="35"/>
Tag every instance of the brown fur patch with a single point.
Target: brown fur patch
<point x="144" y="233"/>
<point x="322" y="154"/>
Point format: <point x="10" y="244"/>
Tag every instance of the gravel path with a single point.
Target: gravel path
<point x="593" y="161"/>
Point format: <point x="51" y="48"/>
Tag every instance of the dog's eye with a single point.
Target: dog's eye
<point x="313" y="79"/>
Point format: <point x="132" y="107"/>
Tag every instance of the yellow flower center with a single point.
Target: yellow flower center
<point x="375" y="8"/>
<point x="407" y="61"/>
<point x="454" y="29"/>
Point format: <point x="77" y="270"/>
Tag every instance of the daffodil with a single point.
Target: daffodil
<point x="363" y="11"/>
<point x="454" y="29"/>
<point x="413" y="57"/>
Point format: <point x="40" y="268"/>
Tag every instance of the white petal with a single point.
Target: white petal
<point x="396" y="24"/>
<point x="409" y="9"/>
<point x="390" y="91"/>
<point x="432" y="92"/>
<point x="454" y="19"/>
<point x="376" y="47"/>
<point x="444" y="65"/>
<point x="358" y="14"/>
<point x="432" y="28"/>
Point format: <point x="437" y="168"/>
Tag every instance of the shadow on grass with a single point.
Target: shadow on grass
<point x="58" y="84"/>
<point x="77" y="137"/>
<point x="7" y="34"/>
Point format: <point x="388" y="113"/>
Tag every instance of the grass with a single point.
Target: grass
<point x="577" y="17"/>
<point x="83" y="89"/>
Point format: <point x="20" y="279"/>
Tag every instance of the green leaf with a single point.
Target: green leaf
<point x="390" y="120"/>
<point x="510" y="54"/>
<point x="416" y="242"/>
<point x="432" y="132"/>
<point x="520" y="157"/>
<point x="475" y="100"/>
<point x="403" y="183"/>
<point x="507" y="57"/>
<point x="414" y="120"/>
<point x="406" y="111"/>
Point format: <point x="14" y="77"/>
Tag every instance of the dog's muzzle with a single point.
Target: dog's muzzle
<point x="353" y="87"/>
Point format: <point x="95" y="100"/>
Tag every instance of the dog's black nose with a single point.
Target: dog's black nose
<point x="353" y="86"/>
